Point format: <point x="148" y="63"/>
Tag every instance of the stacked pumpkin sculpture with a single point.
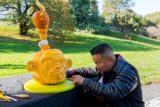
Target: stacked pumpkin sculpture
<point x="48" y="66"/>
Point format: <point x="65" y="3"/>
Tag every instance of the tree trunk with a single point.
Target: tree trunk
<point x="23" y="29"/>
<point x="22" y="17"/>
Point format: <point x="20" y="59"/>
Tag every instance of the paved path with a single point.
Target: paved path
<point x="151" y="95"/>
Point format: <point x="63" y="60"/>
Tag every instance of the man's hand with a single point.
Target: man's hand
<point x="69" y="73"/>
<point x="77" y="79"/>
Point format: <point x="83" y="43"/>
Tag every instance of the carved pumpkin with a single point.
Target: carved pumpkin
<point x="49" y="66"/>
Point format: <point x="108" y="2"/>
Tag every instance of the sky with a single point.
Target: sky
<point x="142" y="7"/>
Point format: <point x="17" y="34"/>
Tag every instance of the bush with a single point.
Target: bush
<point x="100" y="27"/>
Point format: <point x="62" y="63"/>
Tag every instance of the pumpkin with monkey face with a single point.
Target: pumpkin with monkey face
<point x="49" y="66"/>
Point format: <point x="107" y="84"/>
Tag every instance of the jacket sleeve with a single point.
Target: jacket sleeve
<point x="124" y="83"/>
<point x="87" y="72"/>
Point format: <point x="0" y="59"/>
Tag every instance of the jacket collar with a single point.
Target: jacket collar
<point x="119" y="63"/>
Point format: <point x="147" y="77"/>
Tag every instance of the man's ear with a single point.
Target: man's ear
<point x="68" y="63"/>
<point x="110" y="59"/>
<point x="31" y="66"/>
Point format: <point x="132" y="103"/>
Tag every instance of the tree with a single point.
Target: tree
<point x="61" y="21"/>
<point x="21" y="12"/>
<point x="127" y="21"/>
<point x="112" y="7"/>
<point x="154" y="18"/>
<point x="85" y="13"/>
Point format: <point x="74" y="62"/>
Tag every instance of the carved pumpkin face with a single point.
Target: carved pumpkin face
<point x="49" y="66"/>
<point x="40" y="19"/>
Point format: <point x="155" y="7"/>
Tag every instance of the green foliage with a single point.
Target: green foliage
<point x="85" y="13"/>
<point x="113" y="7"/>
<point x="154" y="18"/>
<point x="123" y="19"/>
<point x="128" y="21"/>
<point x="61" y="21"/>
<point x="146" y="22"/>
<point x="101" y="27"/>
<point x="87" y="17"/>
<point x="81" y="11"/>
<point x="19" y="12"/>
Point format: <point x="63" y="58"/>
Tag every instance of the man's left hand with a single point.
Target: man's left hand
<point x="77" y="79"/>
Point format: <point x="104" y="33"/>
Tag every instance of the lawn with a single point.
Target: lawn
<point x="142" y="52"/>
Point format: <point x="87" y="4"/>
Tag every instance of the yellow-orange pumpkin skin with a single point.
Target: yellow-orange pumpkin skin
<point x="49" y="66"/>
<point x="40" y="19"/>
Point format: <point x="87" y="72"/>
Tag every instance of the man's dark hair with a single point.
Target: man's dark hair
<point x="101" y="49"/>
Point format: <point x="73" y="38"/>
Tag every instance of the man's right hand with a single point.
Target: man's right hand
<point x="70" y="73"/>
<point x="77" y="79"/>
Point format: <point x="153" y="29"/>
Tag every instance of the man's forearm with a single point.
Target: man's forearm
<point x="87" y="72"/>
<point x="113" y="90"/>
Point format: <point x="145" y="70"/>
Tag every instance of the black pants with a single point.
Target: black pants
<point x="86" y="99"/>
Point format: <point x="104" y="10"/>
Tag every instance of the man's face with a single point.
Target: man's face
<point x="102" y="63"/>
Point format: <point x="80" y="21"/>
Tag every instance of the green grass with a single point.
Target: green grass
<point x="142" y="52"/>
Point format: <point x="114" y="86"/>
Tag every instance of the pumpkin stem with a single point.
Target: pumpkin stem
<point x="40" y="6"/>
<point x="45" y="47"/>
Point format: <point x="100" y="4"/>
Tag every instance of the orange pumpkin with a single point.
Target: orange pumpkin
<point x="49" y="66"/>
<point x="43" y="31"/>
<point x="40" y="19"/>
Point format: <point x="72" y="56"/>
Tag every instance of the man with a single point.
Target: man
<point x="113" y="82"/>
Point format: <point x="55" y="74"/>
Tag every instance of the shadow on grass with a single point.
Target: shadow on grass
<point x="79" y="43"/>
<point x="12" y="66"/>
<point x="74" y="44"/>
<point x="147" y="40"/>
<point x="8" y="44"/>
<point x="138" y="38"/>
